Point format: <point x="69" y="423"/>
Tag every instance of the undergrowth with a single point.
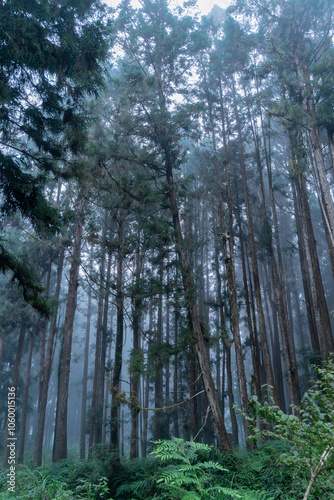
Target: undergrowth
<point x="176" y="470"/>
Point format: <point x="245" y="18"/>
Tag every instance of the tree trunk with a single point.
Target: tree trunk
<point x="45" y="374"/>
<point x="319" y="302"/>
<point x="257" y="288"/>
<point x="13" y="387"/>
<point x="60" y="436"/>
<point x="85" y="380"/>
<point x="95" y="406"/>
<point x="100" y="424"/>
<point x="306" y="271"/>
<point x="158" y="390"/>
<point x="175" y="375"/>
<point x="229" y="258"/>
<point x="217" y="417"/>
<point x="20" y="453"/>
<point x="115" y="403"/>
<point x="310" y="112"/>
<point x="135" y="367"/>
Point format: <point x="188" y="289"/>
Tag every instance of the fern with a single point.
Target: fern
<point x="186" y="472"/>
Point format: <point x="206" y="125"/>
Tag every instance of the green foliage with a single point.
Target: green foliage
<point x="91" y="491"/>
<point x="309" y="431"/>
<point x="185" y="470"/>
<point x="51" y="60"/>
<point x="39" y="484"/>
<point x="25" y="277"/>
<point x="64" y="481"/>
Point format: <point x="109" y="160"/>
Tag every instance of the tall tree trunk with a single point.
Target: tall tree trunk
<point x="230" y="394"/>
<point x="158" y="390"/>
<point x="175" y="374"/>
<point x="95" y="406"/>
<point x="255" y="270"/>
<point x="227" y="347"/>
<point x="60" y="435"/>
<point x="277" y="360"/>
<point x="279" y="281"/>
<point x="13" y="387"/>
<point x="135" y="363"/>
<point x="324" y="326"/>
<point x="229" y="258"/>
<point x="46" y="368"/>
<point x="187" y="278"/>
<point x="100" y="424"/>
<point x="115" y="403"/>
<point x="306" y="269"/>
<point x="85" y="380"/>
<point x="252" y="338"/>
<point x="20" y="453"/>
<point x="310" y="112"/>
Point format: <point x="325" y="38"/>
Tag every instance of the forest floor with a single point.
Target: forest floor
<point x="179" y="470"/>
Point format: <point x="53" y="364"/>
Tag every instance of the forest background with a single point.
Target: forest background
<point x="167" y="233"/>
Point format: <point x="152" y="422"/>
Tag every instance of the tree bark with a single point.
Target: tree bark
<point x="20" y="454"/>
<point x="135" y="370"/>
<point x="95" y="413"/>
<point x="46" y="368"/>
<point x="255" y="270"/>
<point x="60" y="436"/>
<point x="217" y="417"/>
<point x="85" y="380"/>
<point x="115" y="402"/>
<point x="15" y="379"/>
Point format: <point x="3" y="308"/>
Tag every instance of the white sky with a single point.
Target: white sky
<point x="204" y="5"/>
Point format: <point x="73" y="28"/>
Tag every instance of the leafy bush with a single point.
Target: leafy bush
<point x="44" y="483"/>
<point x="185" y="471"/>
<point x="39" y="484"/>
<point x="310" y="433"/>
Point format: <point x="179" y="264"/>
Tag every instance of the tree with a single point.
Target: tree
<point x="60" y="436"/>
<point x="52" y="58"/>
<point x="161" y="65"/>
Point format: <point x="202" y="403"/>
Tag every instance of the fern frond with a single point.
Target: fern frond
<point x="212" y="465"/>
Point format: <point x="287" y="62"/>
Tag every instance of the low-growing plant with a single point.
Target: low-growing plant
<point x="185" y="471"/>
<point x="310" y="431"/>
<point x="37" y="484"/>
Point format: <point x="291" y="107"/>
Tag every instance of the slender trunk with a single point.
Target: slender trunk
<point x="47" y="369"/>
<point x="310" y="112"/>
<point x="306" y="271"/>
<point x="100" y="425"/>
<point x="230" y="394"/>
<point x="20" y="453"/>
<point x="13" y="390"/>
<point x="192" y="402"/>
<point x="213" y="401"/>
<point x="2" y="340"/>
<point x="175" y="375"/>
<point x="158" y="431"/>
<point x="325" y="332"/>
<point x="276" y="348"/>
<point x="135" y="369"/>
<point x="253" y="341"/>
<point x="85" y="380"/>
<point x="280" y="286"/>
<point x="95" y="406"/>
<point x="118" y="361"/>
<point x="60" y="435"/>
<point x="257" y="288"/>
<point x="229" y="258"/>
